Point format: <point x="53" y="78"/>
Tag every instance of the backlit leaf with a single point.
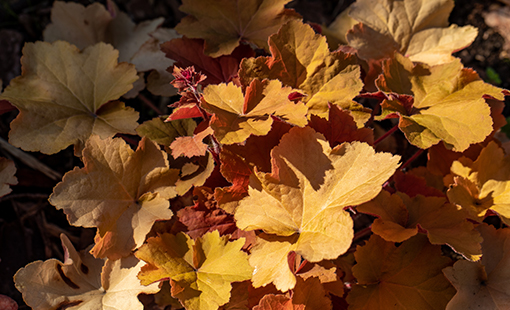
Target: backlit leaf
<point x="301" y="59"/>
<point x="201" y="271"/>
<point x="440" y="92"/>
<point x="303" y="199"/>
<point x="483" y="184"/>
<point x="237" y="116"/>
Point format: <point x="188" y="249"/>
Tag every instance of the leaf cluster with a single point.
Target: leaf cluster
<point x="269" y="186"/>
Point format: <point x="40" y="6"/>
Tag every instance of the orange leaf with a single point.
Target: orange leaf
<point x="191" y="146"/>
<point x="401" y="217"/>
<point x="409" y="276"/>
<point x="483" y="284"/>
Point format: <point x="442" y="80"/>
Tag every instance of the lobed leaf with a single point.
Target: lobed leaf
<point x="65" y="96"/>
<point x="119" y="191"/>
<point x="303" y="199"/>
<point x="201" y="271"/>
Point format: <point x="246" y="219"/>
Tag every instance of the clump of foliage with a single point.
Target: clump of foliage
<point x="264" y="188"/>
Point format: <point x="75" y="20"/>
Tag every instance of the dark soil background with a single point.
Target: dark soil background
<point x="30" y="226"/>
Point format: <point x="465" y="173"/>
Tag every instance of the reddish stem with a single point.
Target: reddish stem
<point x="362" y="233"/>
<point x="411" y="159"/>
<point x="387" y="134"/>
<point x="150" y="104"/>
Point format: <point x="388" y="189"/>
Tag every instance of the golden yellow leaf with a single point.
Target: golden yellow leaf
<point x="224" y="23"/>
<point x="415" y="28"/>
<point x="201" y="271"/>
<point x="301" y="59"/>
<point x="237" y="116"/>
<point x="119" y="191"/>
<point x="483" y="184"/>
<point x="82" y="282"/>
<point x="65" y="96"/>
<point x="303" y="199"/>
<point x="440" y="92"/>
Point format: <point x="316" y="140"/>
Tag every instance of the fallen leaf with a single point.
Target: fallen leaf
<point x="82" y="282"/>
<point x="201" y="271"/>
<point x="417" y="29"/>
<point x="483" y="284"/>
<point x="303" y="199"/>
<point x="65" y="96"/>
<point x="409" y="276"/>
<point x="119" y="191"/>
<point x="235" y="20"/>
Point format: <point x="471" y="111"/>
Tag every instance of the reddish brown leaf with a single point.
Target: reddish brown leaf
<point x="190" y="52"/>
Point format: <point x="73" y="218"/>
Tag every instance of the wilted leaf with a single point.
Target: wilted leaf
<point x="201" y="271"/>
<point x="303" y="200"/>
<point x="301" y="59"/>
<point x="483" y="284"/>
<point x="483" y="184"/>
<point x="409" y="276"/>
<point x="223" y="24"/>
<point x="237" y="116"/>
<point x="119" y="191"/>
<point x="82" y="282"/>
<point x="415" y="28"/>
<point x="401" y="217"/>
<point x="65" y="96"/>
<point x="7" y="171"/>
<point x="440" y="92"/>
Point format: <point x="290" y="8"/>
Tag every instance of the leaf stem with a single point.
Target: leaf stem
<point x="387" y="134"/>
<point x="150" y="104"/>
<point x="411" y="159"/>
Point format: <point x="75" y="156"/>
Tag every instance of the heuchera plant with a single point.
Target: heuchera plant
<point x="265" y="188"/>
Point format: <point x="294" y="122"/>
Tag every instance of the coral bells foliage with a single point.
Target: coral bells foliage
<point x="271" y="184"/>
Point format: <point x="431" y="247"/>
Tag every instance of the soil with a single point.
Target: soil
<point x="30" y="226"/>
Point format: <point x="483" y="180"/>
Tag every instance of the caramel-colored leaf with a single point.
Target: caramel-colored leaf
<point x="483" y="284"/>
<point x="65" y="96"/>
<point x="415" y="28"/>
<point x="201" y="271"/>
<point x="303" y="199"/>
<point x="119" y="191"/>
<point x="223" y="24"/>
<point x="82" y="282"/>
<point x="404" y="277"/>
